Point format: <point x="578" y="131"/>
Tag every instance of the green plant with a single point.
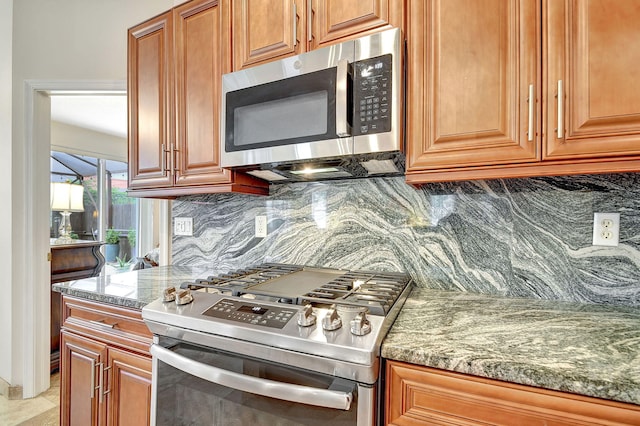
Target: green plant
<point x="131" y="235"/>
<point x="112" y="236"/>
<point x="122" y="262"/>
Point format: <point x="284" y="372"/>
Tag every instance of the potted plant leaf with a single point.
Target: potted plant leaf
<point x="112" y="245"/>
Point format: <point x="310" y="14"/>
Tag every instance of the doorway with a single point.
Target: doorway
<point x="32" y="231"/>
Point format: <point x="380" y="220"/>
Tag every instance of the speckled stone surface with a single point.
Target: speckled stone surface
<point x="580" y="348"/>
<point x="132" y="289"/>
<point x="508" y="237"/>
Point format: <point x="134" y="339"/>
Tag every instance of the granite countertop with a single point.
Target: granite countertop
<point x="132" y="289"/>
<point x="591" y="350"/>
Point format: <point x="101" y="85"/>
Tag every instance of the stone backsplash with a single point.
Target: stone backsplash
<point x="516" y="237"/>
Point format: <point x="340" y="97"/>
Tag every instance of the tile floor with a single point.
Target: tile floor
<point x="43" y="410"/>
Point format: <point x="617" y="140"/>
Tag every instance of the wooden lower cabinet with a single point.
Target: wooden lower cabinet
<point x="80" y="358"/>
<point x="105" y="369"/>
<point x="129" y="399"/>
<point x="417" y="395"/>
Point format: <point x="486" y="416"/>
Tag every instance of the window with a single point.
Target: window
<point x="120" y="210"/>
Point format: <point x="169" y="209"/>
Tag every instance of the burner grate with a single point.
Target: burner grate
<point x="376" y="291"/>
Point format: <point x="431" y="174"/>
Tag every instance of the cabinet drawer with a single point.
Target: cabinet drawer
<point x="112" y="324"/>
<point x="417" y="395"/>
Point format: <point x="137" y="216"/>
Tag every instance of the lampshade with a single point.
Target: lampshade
<point x="67" y="197"/>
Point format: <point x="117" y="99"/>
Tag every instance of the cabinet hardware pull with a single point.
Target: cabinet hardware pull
<point x="295" y="24"/>
<point x="176" y="167"/>
<point x="100" y="381"/>
<point x="164" y="158"/>
<point x="172" y="150"/>
<point x="93" y="378"/>
<point x="309" y="21"/>
<point x="531" y="101"/>
<point x="560" y="110"/>
<point x="103" y="324"/>
<point x="104" y="370"/>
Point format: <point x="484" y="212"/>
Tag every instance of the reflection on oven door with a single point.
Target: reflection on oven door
<point x="184" y="399"/>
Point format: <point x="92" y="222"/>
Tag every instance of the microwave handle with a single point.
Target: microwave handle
<point x="342" y="128"/>
<point x="264" y="387"/>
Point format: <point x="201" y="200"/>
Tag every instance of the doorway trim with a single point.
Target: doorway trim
<point x="34" y="245"/>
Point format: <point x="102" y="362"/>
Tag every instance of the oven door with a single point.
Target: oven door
<point x="195" y="385"/>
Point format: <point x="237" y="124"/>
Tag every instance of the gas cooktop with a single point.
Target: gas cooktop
<point x="302" y="285"/>
<point x="326" y="320"/>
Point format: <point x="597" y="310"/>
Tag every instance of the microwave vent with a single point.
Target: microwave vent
<point x="267" y="175"/>
<point x="376" y="167"/>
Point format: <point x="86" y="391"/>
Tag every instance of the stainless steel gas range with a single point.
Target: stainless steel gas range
<point x="272" y="345"/>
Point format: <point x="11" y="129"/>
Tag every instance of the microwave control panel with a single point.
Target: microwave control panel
<point x="372" y="95"/>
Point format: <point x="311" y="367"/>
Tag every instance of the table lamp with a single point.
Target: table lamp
<point x="66" y="198"/>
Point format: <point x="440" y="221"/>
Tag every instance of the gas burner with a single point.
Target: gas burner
<point x="336" y="317"/>
<point x="302" y="285"/>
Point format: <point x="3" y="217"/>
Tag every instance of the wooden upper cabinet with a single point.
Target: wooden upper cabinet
<point x="518" y="88"/>
<point x="472" y="67"/>
<point x="266" y="30"/>
<point x="150" y="48"/>
<point x="199" y="67"/>
<point x="337" y="20"/>
<point x="176" y="62"/>
<point x="594" y="51"/>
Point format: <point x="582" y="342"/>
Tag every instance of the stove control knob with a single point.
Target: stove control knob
<point x="360" y="325"/>
<point x="332" y="320"/>
<point x="169" y="294"/>
<point x="183" y="297"/>
<point x="306" y="317"/>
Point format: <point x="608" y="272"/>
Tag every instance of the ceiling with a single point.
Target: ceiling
<point x="100" y="113"/>
<point x="104" y="113"/>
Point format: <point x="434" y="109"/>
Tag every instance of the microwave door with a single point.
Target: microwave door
<point x="297" y="117"/>
<point x="287" y="120"/>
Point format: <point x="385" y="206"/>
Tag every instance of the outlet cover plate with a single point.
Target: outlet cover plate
<point x="261" y="226"/>
<point x="183" y="226"/>
<point x="606" y="229"/>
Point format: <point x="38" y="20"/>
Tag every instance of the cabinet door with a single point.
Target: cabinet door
<point x="337" y="20"/>
<point x="149" y="96"/>
<point x="129" y="389"/>
<point x="199" y="64"/>
<point x="80" y="368"/>
<point x="264" y="30"/>
<point x="594" y="52"/>
<point x="471" y="67"/>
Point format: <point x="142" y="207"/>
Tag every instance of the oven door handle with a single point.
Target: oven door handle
<point x="264" y="387"/>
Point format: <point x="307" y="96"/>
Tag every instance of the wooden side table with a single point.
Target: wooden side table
<point x="80" y="259"/>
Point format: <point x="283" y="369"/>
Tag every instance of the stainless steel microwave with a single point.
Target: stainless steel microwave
<point x="335" y="112"/>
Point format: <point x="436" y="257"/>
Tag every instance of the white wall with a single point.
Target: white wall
<point x="6" y="29"/>
<point x="81" y="141"/>
<point x="66" y="40"/>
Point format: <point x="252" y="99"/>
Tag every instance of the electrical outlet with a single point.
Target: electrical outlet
<point x="183" y="226"/>
<point x="606" y="229"/>
<point x="261" y="226"/>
